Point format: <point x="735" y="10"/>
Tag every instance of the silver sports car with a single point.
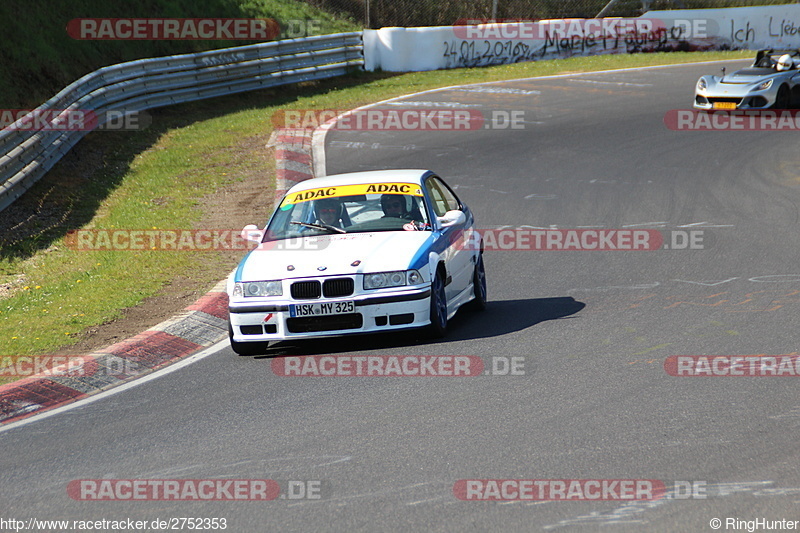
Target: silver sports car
<point x="773" y="81"/>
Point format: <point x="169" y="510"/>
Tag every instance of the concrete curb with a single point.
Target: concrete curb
<point x="200" y="325"/>
<point x="293" y="157"/>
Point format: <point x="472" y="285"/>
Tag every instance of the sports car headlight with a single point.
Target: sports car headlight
<point x="258" y="288"/>
<point x="397" y="278"/>
<point x="702" y="84"/>
<point x="766" y="85"/>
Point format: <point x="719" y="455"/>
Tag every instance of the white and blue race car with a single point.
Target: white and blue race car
<point x="357" y="253"/>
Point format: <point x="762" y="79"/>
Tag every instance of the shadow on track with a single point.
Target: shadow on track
<point x="499" y="318"/>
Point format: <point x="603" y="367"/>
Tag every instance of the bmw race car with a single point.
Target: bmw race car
<point x="357" y="253"/>
<point x="773" y="81"/>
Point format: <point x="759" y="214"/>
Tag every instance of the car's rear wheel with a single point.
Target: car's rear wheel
<point x="438" y="312"/>
<point x="247" y="348"/>
<point x="479" y="286"/>
<point x="782" y="99"/>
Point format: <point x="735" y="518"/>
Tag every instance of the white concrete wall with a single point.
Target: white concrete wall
<point x="433" y="48"/>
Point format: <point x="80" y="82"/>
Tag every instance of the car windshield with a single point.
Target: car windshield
<point x="770" y="60"/>
<point x="350" y="209"/>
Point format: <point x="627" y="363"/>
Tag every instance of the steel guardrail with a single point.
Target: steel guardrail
<point x="26" y="154"/>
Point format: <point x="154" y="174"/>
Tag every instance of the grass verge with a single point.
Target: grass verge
<point x="158" y="178"/>
<point x="39" y="57"/>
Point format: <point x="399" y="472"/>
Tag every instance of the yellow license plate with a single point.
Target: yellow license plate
<point x="724" y="105"/>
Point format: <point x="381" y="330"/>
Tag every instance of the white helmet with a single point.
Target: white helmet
<point x="784" y="62"/>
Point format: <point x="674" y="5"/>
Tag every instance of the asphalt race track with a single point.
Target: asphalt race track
<point x="592" y="329"/>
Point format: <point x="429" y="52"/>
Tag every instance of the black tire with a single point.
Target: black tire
<point x="782" y="100"/>
<point x="438" y="313"/>
<point x="247" y="348"/>
<point x="479" y="286"/>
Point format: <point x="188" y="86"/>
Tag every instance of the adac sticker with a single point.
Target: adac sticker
<point x="351" y="190"/>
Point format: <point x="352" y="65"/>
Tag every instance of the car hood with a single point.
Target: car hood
<point x="749" y="75"/>
<point x="326" y="255"/>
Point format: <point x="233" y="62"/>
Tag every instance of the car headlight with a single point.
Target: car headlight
<point x="702" y="84"/>
<point x="258" y="288"/>
<point x="766" y="85"/>
<point x="397" y="278"/>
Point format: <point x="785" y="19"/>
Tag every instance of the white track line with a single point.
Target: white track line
<point x="121" y="388"/>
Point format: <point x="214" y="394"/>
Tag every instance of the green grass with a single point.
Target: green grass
<point x="158" y="177"/>
<point x="38" y="58"/>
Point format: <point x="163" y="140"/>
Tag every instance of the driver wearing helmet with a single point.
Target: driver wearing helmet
<point x="785" y="62"/>
<point x="394" y="205"/>
<point x="329" y="211"/>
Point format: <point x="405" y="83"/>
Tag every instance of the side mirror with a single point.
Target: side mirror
<point x="251" y="233"/>
<point x="452" y="218"/>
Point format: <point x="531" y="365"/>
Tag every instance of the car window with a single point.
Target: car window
<point x="442" y="197"/>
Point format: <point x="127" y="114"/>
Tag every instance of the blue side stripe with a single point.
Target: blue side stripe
<point x="237" y="277"/>
<point x="420" y="259"/>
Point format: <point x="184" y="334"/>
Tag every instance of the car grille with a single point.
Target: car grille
<point x="336" y="287"/>
<point x="713" y="99"/>
<point x="306" y="290"/>
<point x="331" y="288"/>
<point x="324" y="323"/>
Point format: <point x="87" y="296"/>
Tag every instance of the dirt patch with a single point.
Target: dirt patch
<point x="11" y="284"/>
<point x="171" y="299"/>
<point x="246" y="200"/>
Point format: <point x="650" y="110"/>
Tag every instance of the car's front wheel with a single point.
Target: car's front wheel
<point x="782" y="98"/>
<point x="479" y="286"/>
<point x="438" y="312"/>
<point x="247" y="348"/>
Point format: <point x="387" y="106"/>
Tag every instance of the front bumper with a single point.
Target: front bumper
<point x="269" y="319"/>
<point x="749" y="100"/>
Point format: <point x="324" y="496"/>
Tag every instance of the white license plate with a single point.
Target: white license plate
<point x="322" y="309"/>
